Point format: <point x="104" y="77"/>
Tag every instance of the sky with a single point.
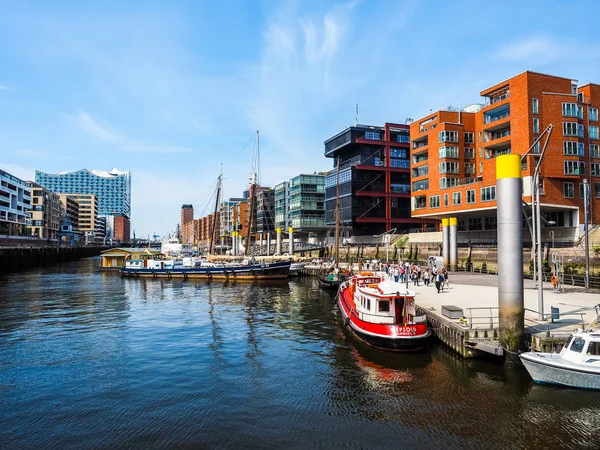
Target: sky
<point x="172" y="90"/>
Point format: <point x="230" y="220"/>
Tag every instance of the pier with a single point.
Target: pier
<point x="18" y="259"/>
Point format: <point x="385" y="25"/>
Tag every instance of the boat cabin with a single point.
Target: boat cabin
<point x="384" y="301"/>
<point x="583" y="348"/>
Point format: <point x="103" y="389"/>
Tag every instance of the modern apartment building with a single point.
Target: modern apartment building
<point x="45" y="212"/>
<point x="453" y="155"/>
<point x="265" y="211"/>
<point x="88" y="221"/>
<point x="374" y="179"/>
<point x="15" y="203"/>
<point x="226" y="220"/>
<point x="300" y="204"/>
<point x="69" y="211"/>
<point x="112" y="188"/>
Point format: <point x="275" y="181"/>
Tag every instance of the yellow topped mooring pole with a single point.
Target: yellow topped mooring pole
<point x="510" y="252"/>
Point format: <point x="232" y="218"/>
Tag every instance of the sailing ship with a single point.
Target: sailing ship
<point x="331" y="278"/>
<point x="186" y="268"/>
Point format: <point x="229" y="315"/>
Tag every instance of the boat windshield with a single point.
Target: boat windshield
<point x="577" y="345"/>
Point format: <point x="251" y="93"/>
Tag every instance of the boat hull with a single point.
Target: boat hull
<point x="325" y="283"/>
<point x="544" y="370"/>
<point x="386" y="337"/>
<point x="274" y="271"/>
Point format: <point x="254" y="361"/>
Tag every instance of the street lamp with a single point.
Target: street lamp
<point x="387" y="235"/>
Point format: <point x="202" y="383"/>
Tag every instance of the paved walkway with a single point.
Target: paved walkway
<point x="481" y="291"/>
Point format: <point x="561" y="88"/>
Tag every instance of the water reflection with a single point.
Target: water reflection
<point x="91" y="360"/>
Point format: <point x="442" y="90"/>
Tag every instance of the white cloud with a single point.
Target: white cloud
<point x="88" y="125"/>
<point x="111" y="135"/>
<point x="542" y="50"/>
<point x="3" y="87"/>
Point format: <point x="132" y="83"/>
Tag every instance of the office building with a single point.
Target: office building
<point x="300" y="204"/>
<point x="453" y="155"/>
<point x="45" y="212"/>
<point x="187" y="216"/>
<point x="15" y="203"/>
<point x="374" y="180"/>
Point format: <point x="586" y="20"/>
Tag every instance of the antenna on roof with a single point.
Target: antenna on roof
<point x="356" y="116"/>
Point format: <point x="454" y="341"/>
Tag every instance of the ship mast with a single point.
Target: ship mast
<point x="336" y="253"/>
<point x="252" y="191"/>
<point x="214" y="227"/>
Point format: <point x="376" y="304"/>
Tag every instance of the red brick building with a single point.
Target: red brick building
<point x="453" y="155"/>
<point x="122" y="228"/>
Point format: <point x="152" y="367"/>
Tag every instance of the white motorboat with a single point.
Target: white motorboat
<point x="577" y="365"/>
<point x="296" y="267"/>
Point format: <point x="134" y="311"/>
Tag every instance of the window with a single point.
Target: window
<point x="372" y="136"/>
<point x="569" y="109"/>
<point x="480" y="137"/>
<point x="536" y="147"/>
<point x="420" y="185"/>
<point x="449" y="167"/>
<point x="491" y="223"/>
<point x="534" y="104"/>
<point x="593" y="132"/>
<point x="480" y="167"/>
<point x="597" y="190"/>
<point x="456" y="198"/>
<point x="470" y="137"/>
<point x="469" y="168"/>
<point x="574" y="168"/>
<point x="471" y="196"/>
<point x="369" y="304"/>
<point x="448" y="136"/>
<point x="594" y="151"/>
<point x="570" y="148"/>
<point x="488" y="194"/>
<point x="446" y="182"/>
<point x="593" y="348"/>
<point x="420" y="202"/>
<point x="384" y="306"/>
<point x="580" y="131"/>
<point x="569" y="190"/>
<point x="420" y="171"/>
<point x="398" y="152"/>
<point x="595" y="169"/>
<point x="593" y="114"/>
<point x="448" y="152"/>
<point x="434" y="201"/>
<point x="581" y="191"/>
<point x="480" y="152"/>
<point x="536" y="125"/>
<point x="569" y="128"/>
<point x="577" y="345"/>
<point x="469" y="153"/>
<point x="445" y="199"/>
<point x="475" y="223"/>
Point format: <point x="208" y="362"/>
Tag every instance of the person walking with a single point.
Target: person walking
<point x="439" y="280"/>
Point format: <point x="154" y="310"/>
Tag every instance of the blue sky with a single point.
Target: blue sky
<point x="169" y="90"/>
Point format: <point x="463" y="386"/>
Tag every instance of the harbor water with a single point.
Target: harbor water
<point x="90" y="360"/>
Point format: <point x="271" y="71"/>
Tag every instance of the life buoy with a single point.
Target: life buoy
<point x="554" y="280"/>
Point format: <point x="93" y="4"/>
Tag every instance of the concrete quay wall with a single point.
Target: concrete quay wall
<point x="18" y="259"/>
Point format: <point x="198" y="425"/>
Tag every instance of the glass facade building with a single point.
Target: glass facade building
<point x="112" y="188"/>
<point x="300" y="203"/>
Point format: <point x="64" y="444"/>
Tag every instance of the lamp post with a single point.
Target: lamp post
<point x="586" y="196"/>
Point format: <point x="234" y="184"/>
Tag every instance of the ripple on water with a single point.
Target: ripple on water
<point x="90" y="360"/>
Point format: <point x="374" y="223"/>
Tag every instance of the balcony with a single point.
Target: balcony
<point x="496" y="114"/>
<point x="499" y="132"/>
<point x="420" y="144"/>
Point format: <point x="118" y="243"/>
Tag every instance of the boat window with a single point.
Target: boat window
<point x="369" y="304"/>
<point x="384" y="306"/>
<point x="577" y="345"/>
<point x="594" y="348"/>
<point x="569" y="340"/>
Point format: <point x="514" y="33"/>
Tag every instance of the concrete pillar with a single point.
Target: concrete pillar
<point x="510" y="252"/>
<point x="278" y="245"/>
<point x="291" y="244"/>
<point x="234" y="243"/>
<point x="269" y="244"/>
<point x="445" y="241"/>
<point x="453" y="243"/>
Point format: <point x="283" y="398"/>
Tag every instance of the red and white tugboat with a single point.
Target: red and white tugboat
<point x="381" y="313"/>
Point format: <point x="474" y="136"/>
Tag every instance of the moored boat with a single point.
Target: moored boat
<point x="577" y="365"/>
<point x="295" y="267"/>
<point x="382" y="313"/>
<point x="178" y="269"/>
<point x="330" y="281"/>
